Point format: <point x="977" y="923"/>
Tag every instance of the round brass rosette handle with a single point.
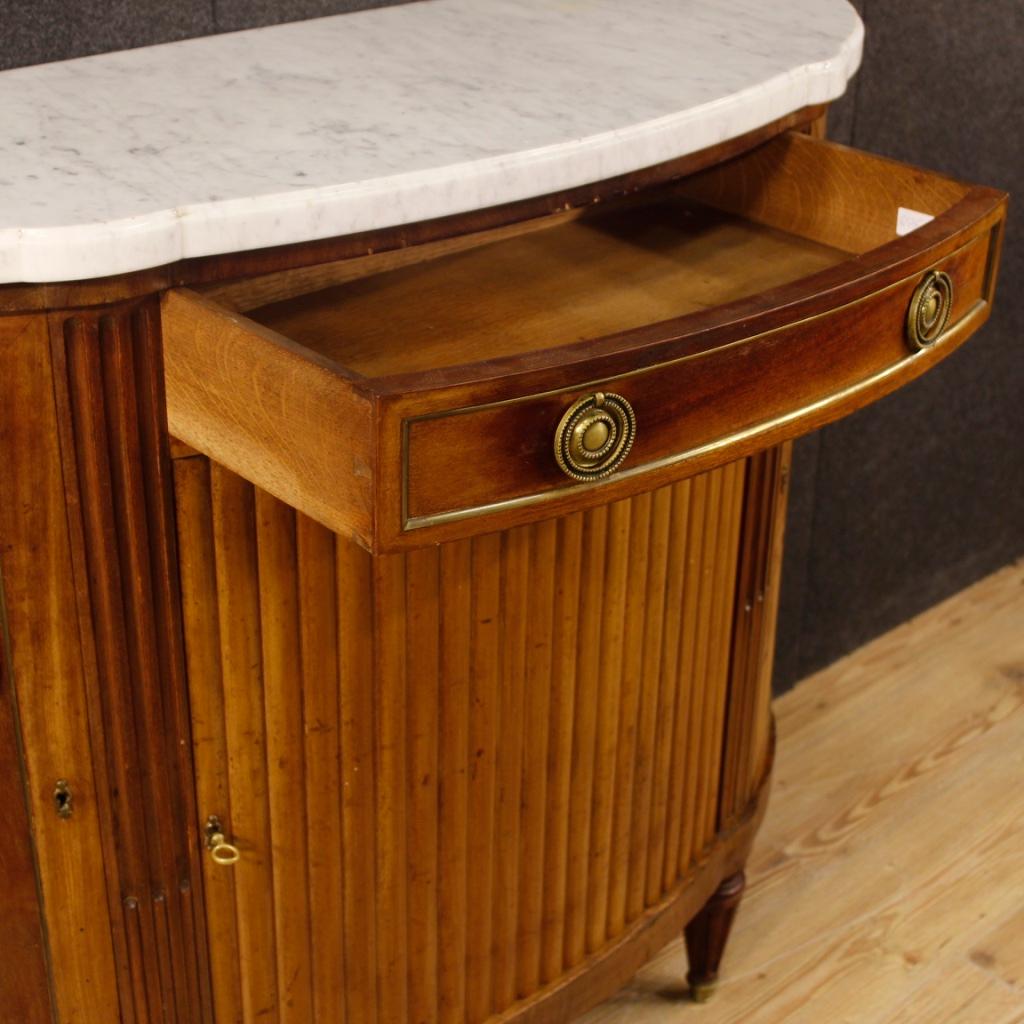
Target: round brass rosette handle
<point x="929" y="309"/>
<point x="594" y="436"/>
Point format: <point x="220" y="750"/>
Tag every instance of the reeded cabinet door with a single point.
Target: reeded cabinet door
<point x="453" y="774"/>
<point x="92" y="680"/>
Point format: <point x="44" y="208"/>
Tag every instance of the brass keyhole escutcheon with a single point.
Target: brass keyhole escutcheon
<point x="929" y="310"/>
<point x="594" y="436"/>
<point x="62" y="799"/>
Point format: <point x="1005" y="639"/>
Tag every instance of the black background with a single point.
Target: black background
<point x="905" y="502"/>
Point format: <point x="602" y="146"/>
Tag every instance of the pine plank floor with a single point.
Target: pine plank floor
<point x="887" y="883"/>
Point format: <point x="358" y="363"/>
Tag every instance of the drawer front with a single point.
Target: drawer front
<point x="490" y="461"/>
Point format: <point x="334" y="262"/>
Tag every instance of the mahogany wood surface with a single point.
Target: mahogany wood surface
<point x="270" y="410"/>
<point x="695" y="409"/>
<point x="610" y="270"/>
<point x="47" y="668"/>
<point x="109" y="392"/>
<point x="95" y="656"/>
<point x="24" y="981"/>
<point x="534" y="752"/>
<point x="728" y="333"/>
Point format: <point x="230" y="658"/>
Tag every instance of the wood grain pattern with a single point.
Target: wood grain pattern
<point x="24" y="976"/>
<point x="281" y="646"/>
<point x="490" y="700"/>
<point x="753" y="635"/>
<point x="423" y="648"/>
<point x="232" y="387"/>
<point x="823" y="191"/>
<point x="110" y="396"/>
<point x="197" y="561"/>
<point x="358" y="717"/>
<point x="320" y="719"/>
<point x="693" y="258"/>
<point x="46" y="668"/>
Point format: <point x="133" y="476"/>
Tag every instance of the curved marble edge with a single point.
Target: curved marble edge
<point x="91" y="250"/>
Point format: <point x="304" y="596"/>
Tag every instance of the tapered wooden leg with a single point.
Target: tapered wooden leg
<point x="707" y="933"/>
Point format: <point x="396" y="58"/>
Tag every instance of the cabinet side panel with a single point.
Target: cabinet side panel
<point x="45" y="663"/>
<point x="759" y="747"/>
<point x="24" y="992"/>
<point x="109" y="390"/>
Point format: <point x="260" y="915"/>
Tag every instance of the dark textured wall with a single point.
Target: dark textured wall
<point x="37" y="31"/>
<point x="914" y="498"/>
<point x="903" y="503"/>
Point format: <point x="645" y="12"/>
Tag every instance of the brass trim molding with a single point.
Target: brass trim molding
<point x="965" y="323"/>
<point x="410" y="523"/>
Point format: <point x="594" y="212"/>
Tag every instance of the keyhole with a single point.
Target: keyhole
<point x="62" y="798"/>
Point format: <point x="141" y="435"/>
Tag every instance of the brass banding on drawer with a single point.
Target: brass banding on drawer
<point x="698" y="408"/>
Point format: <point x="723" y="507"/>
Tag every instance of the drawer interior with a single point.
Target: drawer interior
<point x="782" y="212"/>
<point x="607" y="271"/>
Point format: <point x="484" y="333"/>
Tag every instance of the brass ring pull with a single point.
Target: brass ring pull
<point x="929" y="310"/>
<point x="222" y="852"/>
<point x="594" y="436"/>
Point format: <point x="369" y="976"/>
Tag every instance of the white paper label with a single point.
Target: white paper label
<point x="910" y="220"/>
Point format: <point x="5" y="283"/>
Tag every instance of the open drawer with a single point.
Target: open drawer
<point x="410" y="397"/>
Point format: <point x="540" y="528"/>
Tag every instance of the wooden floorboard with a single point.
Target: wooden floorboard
<point x="887" y="883"/>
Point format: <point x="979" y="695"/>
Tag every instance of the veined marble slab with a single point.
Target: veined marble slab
<point x="130" y="160"/>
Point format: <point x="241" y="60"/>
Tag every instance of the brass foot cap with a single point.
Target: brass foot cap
<point x="701" y="991"/>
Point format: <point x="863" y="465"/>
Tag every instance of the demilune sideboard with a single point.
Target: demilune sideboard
<point x="395" y="422"/>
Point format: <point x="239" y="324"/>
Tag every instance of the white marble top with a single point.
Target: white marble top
<point x="134" y="159"/>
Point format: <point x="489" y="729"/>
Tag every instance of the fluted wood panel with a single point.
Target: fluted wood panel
<point x="95" y="657"/>
<point x="109" y="392"/>
<point x="45" y="669"/>
<point x="749" y="725"/>
<point x="456" y="773"/>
